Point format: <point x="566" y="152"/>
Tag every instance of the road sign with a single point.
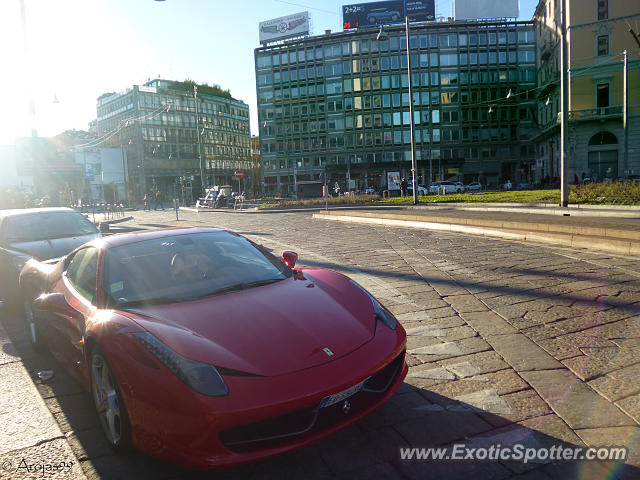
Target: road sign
<point x="238" y="174"/>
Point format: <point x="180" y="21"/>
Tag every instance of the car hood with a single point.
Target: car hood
<point x="51" y="248"/>
<point x="269" y="330"/>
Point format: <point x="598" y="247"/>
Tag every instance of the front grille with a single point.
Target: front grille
<point x="380" y="381"/>
<point x="281" y="430"/>
<point x="294" y="423"/>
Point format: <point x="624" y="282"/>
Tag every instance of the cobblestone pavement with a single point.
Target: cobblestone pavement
<point x="507" y="343"/>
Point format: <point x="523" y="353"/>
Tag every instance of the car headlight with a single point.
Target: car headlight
<point x="201" y="377"/>
<point x="379" y="311"/>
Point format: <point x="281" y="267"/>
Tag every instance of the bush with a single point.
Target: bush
<point x="341" y="200"/>
<point x="606" y="193"/>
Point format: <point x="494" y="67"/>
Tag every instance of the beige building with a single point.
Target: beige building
<point x="598" y="34"/>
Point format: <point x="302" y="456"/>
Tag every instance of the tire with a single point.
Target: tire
<point x="458" y="191"/>
<point x="33" y="331"/>
<point x="110" y="408"/>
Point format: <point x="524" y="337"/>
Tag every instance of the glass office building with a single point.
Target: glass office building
<point x="340" y="103"/>
<point x="157" y="125"/>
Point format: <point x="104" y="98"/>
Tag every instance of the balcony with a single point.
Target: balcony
<point x="545" y="49"/>
<point x="602" y="113"/>
<point x="550" y="84"/>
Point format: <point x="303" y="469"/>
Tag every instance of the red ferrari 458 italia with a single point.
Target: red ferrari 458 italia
<point x="204" y="349"/>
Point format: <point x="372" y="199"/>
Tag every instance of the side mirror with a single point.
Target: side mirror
<point x="54" y="303"/>
<point x="290" y="259"/>
<point x="103" y="227"/>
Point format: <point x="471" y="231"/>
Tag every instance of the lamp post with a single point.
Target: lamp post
<point x="564" y="125"/>
<point x="413" y="150"/>
<point x="200" y="159"/>
<point x="625" y="113"/>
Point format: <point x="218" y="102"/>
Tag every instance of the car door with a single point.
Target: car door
<point x="79" y="286"/>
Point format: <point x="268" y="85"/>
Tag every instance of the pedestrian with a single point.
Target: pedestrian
<point x="158" y="200"/>
<point x="403" y="187"/>
<point x="145" y="201"/>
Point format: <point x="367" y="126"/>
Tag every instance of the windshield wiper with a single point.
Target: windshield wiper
<point x="237" y="287"/>
<point x="66" y="235"/>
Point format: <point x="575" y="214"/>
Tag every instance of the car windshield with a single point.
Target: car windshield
<point x="186" y="267"/>
<point x="46" y="225"/>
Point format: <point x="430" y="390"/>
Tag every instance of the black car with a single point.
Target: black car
<point x="40" y="233"/>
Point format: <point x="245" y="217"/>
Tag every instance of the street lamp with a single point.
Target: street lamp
<point x="200" y="159"/>
<point x="413" y="150"/>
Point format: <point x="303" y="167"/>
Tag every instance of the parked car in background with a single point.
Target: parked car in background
<point x="507" y="185"/>
<point x="202" y="348"/>
<point x="40" y="233"/>
<point x="444" y="187"/>
<point x="460" y="187"/>
<point x="422" y="189"/>
<point x="370" y="191"/>
<point x="474" y="187"/>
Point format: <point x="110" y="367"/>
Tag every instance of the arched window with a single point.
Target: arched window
<point x="603" y="138"/>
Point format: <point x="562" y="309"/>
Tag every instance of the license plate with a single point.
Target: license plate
<point x="338" y="397"/>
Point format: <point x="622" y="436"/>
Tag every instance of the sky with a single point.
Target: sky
<point x="77" y="50"/>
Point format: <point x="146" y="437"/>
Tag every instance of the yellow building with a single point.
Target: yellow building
<point x="598" y="34"/>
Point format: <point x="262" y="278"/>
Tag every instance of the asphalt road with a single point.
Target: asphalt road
<point x="508" y="343"/>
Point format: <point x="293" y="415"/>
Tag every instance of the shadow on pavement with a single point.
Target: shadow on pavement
<point x="534" y="293"/>
<point x="414" y="417"/>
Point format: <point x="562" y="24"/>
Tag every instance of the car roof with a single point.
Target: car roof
<point x="28" y="211"/>
<point x="120" y="239"/>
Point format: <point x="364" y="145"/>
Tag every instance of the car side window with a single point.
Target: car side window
<point x="82" y="272"/>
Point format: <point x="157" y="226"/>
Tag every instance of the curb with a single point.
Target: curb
<point x="30" y="437"/>
<point x="612" y="245"/>
<point x="577" y="210"/>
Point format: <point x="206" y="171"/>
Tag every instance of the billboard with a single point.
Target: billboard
<point x="392" y="11"/>
<point x="393" y="180"/>
<point x="470" y="9"/>
<point x="284" y="27"/>
<point x="420" y="11"/>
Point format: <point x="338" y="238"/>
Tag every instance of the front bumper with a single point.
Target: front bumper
<point x="262" y="416"/>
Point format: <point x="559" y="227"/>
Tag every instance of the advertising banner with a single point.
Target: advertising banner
<point x="393" y="180"/>
<point x="472" y="9"/>
<point x="371" y="14"/>
<point x="420" y="11"/>
<point x="386" y="12"/>
<point x="284" y="27"/>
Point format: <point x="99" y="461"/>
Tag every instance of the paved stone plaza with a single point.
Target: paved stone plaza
<point x="507" y="342"/>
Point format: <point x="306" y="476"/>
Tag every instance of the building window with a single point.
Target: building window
<point x="602" y="95"/>
<point x="603" y="45"/>
<point x="603" y="9"/>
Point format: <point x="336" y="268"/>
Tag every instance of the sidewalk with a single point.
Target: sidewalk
<point x="615" y="230"/>
<point x="31" y="442"/>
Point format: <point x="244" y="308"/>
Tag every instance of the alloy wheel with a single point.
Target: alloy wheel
<point x="106" y="399"/>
